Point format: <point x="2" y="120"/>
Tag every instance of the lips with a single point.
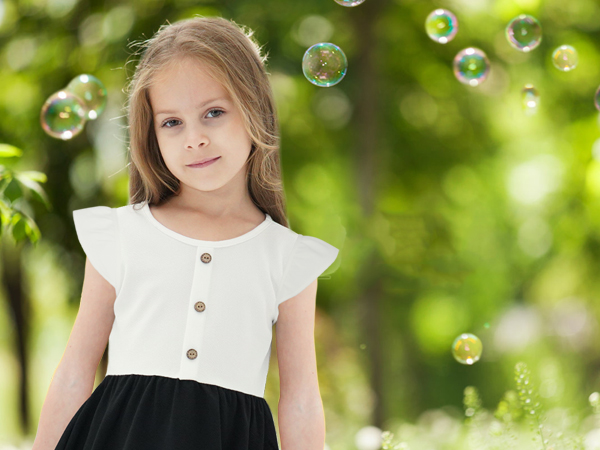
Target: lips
<point x="203" y="161"/>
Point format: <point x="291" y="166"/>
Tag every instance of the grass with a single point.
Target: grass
<point x="519" y="422"/>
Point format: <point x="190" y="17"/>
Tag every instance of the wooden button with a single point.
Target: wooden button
<point x="199" y="306"/>
<point x="192" y="354"/>
<point x="205" y="258"/>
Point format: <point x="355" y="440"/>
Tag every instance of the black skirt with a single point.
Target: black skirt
<point x="152" y="412"/>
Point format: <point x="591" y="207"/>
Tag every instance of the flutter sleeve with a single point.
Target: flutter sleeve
<point x="98" y="233"/>
<point x="309" y="258"/>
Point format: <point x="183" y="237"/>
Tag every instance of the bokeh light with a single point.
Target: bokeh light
<point x="531" y="181"/>
<point x="368" y="438"/>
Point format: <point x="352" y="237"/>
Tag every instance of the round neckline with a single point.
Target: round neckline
<point x="189" y="240"/>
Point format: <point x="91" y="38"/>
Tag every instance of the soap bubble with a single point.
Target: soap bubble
<point x="324" y="64"/>
<point x="471" y="66"/>
<point x="530" y="98"/>
<point x="565" y="58"/>
<point x="524" y="33"/>
<point x="597" y="99"/>
<point x="349" y="2"/>
<point x="91" y="90"/>
<point x="441" y="25"/>
<point x="63" y="115"/>
<point x="467" y="348"/>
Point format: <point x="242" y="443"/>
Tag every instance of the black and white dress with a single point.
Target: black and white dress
<point x="189" y="350"/>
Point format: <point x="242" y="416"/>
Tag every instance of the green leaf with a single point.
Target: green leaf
<point x="34" y="175"/>
<point x="13" y="190"/>
<point x="27" y="180"/>
<point x="31" y="229"/>
<point x="18" y="227"/>
<point x="9" y="151"/>
<point x="4" y="181"/>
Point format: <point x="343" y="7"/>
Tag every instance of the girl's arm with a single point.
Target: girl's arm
<point x="300" y="410"/>
<point x="73" y="379"/>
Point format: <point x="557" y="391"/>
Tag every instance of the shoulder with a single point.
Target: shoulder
<point x="95" y="218"/>
<point x="306" y="259"/>
<point x="102" y="216"/>
<point x="293" y="243"/>
<point x="280" y="236"/>
<point x="98" y="231"/>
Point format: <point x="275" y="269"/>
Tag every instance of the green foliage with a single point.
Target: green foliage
<point x="529" y="400"/>
<point x="432" y="180"/>
<point x="387" y="444"/>
<point x="518" y="419"/>
<point x="17" y="189"/>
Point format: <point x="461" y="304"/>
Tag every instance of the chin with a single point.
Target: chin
<point x="206" y="185"/>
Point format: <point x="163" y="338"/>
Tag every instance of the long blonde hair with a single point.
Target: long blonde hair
<point x="232" y="57"/>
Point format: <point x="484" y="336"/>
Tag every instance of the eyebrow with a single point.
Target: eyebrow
<point x="199" y="106"/>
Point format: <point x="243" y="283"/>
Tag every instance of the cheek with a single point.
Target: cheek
<point x="167" y="153"/>
<point x="164" y="143"/>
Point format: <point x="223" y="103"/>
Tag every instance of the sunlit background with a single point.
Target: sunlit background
<point x="456" y="209"/>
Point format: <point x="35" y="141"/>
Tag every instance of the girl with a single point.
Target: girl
<point x="186" y="281"/>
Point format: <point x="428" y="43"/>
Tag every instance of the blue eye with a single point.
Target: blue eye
<point x="175" y="120"/>
<point x="172" y="120"/>
<point x="217" y="110"/>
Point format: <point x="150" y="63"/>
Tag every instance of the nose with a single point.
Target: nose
<point x="196" y="137"/>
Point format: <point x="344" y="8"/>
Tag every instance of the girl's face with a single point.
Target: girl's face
<point x="195" y="119"/>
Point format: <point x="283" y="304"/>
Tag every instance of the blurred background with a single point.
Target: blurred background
<point x="455" y="211"/>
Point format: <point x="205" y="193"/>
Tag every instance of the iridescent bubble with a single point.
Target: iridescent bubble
<point x="324" y="64"/>
<point x="349" y="2"/>
<point x="524" y="33"/>
<point x="565" y="58"/>
<point x="441" y="25"/>
<point x="63" y="115"/>
<point x="91" y="90"/>
<point x="471" y="66"/>
<point x="467" y="348"/>
<point x="597" y="99"/>
<point x="530" y="99"/>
